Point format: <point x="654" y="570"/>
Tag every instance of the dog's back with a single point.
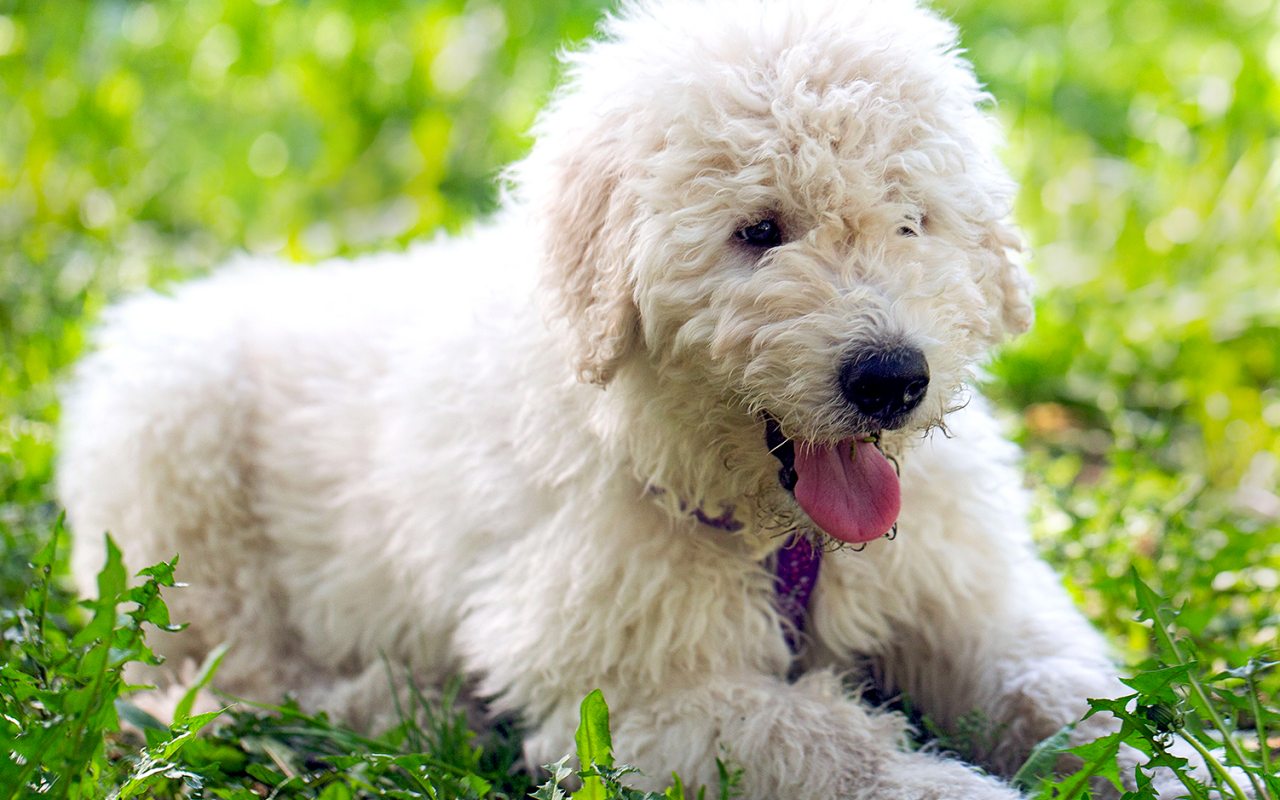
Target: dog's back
<point x="252" y="423"/>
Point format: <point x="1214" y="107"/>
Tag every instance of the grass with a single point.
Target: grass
<point x="147" y="140"/>
<point x="64" y="695"/>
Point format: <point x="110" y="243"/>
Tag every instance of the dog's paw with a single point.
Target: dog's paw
<point x="931" y="778"/>
<point x="1169" y="787"/>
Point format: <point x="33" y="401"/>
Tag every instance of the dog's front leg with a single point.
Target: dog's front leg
<point x="801" y="741"/>
<point x="1000" y="672"/>
<point x="1056" y="664"/>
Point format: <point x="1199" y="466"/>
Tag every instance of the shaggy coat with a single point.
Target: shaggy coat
<point x="493" y="455"/>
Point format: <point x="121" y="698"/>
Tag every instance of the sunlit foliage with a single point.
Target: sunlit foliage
<point x="140" y="142"/>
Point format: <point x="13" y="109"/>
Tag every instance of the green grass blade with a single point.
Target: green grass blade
<point x="595" y="745"/>
<point x="210" y="666"/>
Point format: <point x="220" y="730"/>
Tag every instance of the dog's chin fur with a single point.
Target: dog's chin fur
<point x="408" y="457"/>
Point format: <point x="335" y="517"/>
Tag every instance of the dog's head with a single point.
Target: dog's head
<point x="792" y="206"/>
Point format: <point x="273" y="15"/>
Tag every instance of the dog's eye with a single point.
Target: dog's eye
<point x="764" y="234"/>
<point x="911" y="227"/>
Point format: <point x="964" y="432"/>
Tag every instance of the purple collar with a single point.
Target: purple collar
<point x="795" y="573"/>
<point x="725" y="522"/>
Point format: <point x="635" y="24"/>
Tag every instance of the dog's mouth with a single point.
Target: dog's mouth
<point x="849" y="489"/>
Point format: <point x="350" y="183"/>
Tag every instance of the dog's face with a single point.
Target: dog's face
<point x="804" y="221"/>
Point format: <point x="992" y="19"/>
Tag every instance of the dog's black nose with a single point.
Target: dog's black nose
<point x="886" y="385"/>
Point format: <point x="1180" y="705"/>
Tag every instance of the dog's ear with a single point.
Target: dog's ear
<point x="587" y="222"/>
<point x="1005" y="281"/>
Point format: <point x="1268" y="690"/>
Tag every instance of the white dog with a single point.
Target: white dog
<point x="754" y="257"/>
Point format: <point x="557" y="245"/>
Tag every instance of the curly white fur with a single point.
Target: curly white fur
<point x="407" y="456"/>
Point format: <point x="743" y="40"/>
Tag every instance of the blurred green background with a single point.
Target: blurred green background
<point x="140" y="142"/>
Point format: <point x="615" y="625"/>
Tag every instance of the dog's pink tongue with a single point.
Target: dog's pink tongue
<point x="850" y="490"/>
